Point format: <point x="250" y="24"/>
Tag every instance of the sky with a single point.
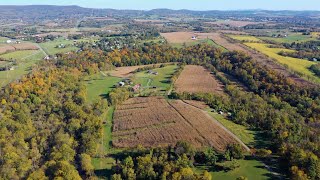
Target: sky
<point x="179" y="4"/>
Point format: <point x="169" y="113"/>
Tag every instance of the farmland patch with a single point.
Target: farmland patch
<point x="154" y="121"/>
<point x="197" y="79"/>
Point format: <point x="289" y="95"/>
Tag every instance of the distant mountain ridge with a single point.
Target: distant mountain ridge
<point x="40" y="12"/>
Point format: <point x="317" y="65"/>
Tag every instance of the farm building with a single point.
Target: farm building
<point x="194" y="38"/>
<point x="9" y="41"/>
<point x="121" y="83"/>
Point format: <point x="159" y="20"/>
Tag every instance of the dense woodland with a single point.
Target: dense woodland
<point x="48" y="130"/>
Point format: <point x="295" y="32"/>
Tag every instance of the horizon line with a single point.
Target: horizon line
<point x="163" y="8"/>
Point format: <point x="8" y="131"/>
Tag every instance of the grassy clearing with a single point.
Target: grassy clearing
<point x="292" y="37"/>
<point x="251" y="138"/>
<point x="103" y="165"/>
<point x="24" y="65"/>
<point x="252" y="169"/>
<point x="51" y="46"/>
<point x="161" y="81"/>
<point x="243" y="133"/>
<point x="298" y="65"/>
<point x="99" y="86"/>
<point x="245" y="38"/>
<point x="18" y="55"/>
<point x="202" y="41"/>
<point x="3" y="39"/>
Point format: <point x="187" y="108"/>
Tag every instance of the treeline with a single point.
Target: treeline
<point x="174" y="163"/>
<point x="316" y="69"/>
<point x="311" y="56"/>
<point x="47" y="129"/>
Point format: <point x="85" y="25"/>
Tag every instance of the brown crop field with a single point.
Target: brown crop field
<point x="178" y="37"/>
<point x="197" y="104"/>
<point x="154" y="121"/>
<point x="197" y="79"/>
<point x="25" y="46"/>
<point x="6" y="48"/>
<point x="16" y="47"/>
<point x="125" y="71"/>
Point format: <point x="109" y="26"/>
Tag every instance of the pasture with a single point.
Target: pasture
<point x="152" y="83"/>
<point x="244" y="38"/>
<point x="24" y="66"/>
<point x="251" y="169"/>
<point x="292" y="37"/>
<point x="99" y="85"/>
<point x="298" y="65"/>
<point x="154" y="121"/>
<point x="19" y="55"/>
<point x="195" y="79"/>
<point x="51" y="47"/>
<point x="25" y="59"/>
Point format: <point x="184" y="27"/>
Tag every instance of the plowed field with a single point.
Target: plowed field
<point x="154" y="121"/>
<point x="197" y="79"/>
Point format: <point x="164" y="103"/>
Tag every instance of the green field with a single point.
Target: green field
<point x="3" y="39"/>
<point x="99" y="85"/>
<point x="18" y="55"/>
<point x="51" y="47"/>
<point x="245" y="135"/>
<point x="245" y="38"/>
<point x="297" y="65"/>
<point x="25" y="59"/>
<point x="103" y="165"/>
<point x="160" y="81"/>
<point x="251" y="169"/>
<point x="202" y="41"/>
<point x="292" y="37"/>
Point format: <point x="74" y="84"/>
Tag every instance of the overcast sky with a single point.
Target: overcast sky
<point x="180" y="4"/>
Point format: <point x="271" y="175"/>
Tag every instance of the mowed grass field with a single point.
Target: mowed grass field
<point x="25" y="59"/>
<point x="298" y="65"/>
<point x="161" y="81"/>
<point x="99" y="85"/>
<point x="251" y="169"/>
<point x="195" y="42"/>
<point x="51" y="47"/>
<point x="246" y="38"/>
<point x="243" y="133"/>
<point x="292" y="37"/>
<point x="18" y="55"/>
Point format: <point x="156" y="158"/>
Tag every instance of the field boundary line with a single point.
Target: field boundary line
<point x="227" y="130"/>
<point x="189" y="123"/>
